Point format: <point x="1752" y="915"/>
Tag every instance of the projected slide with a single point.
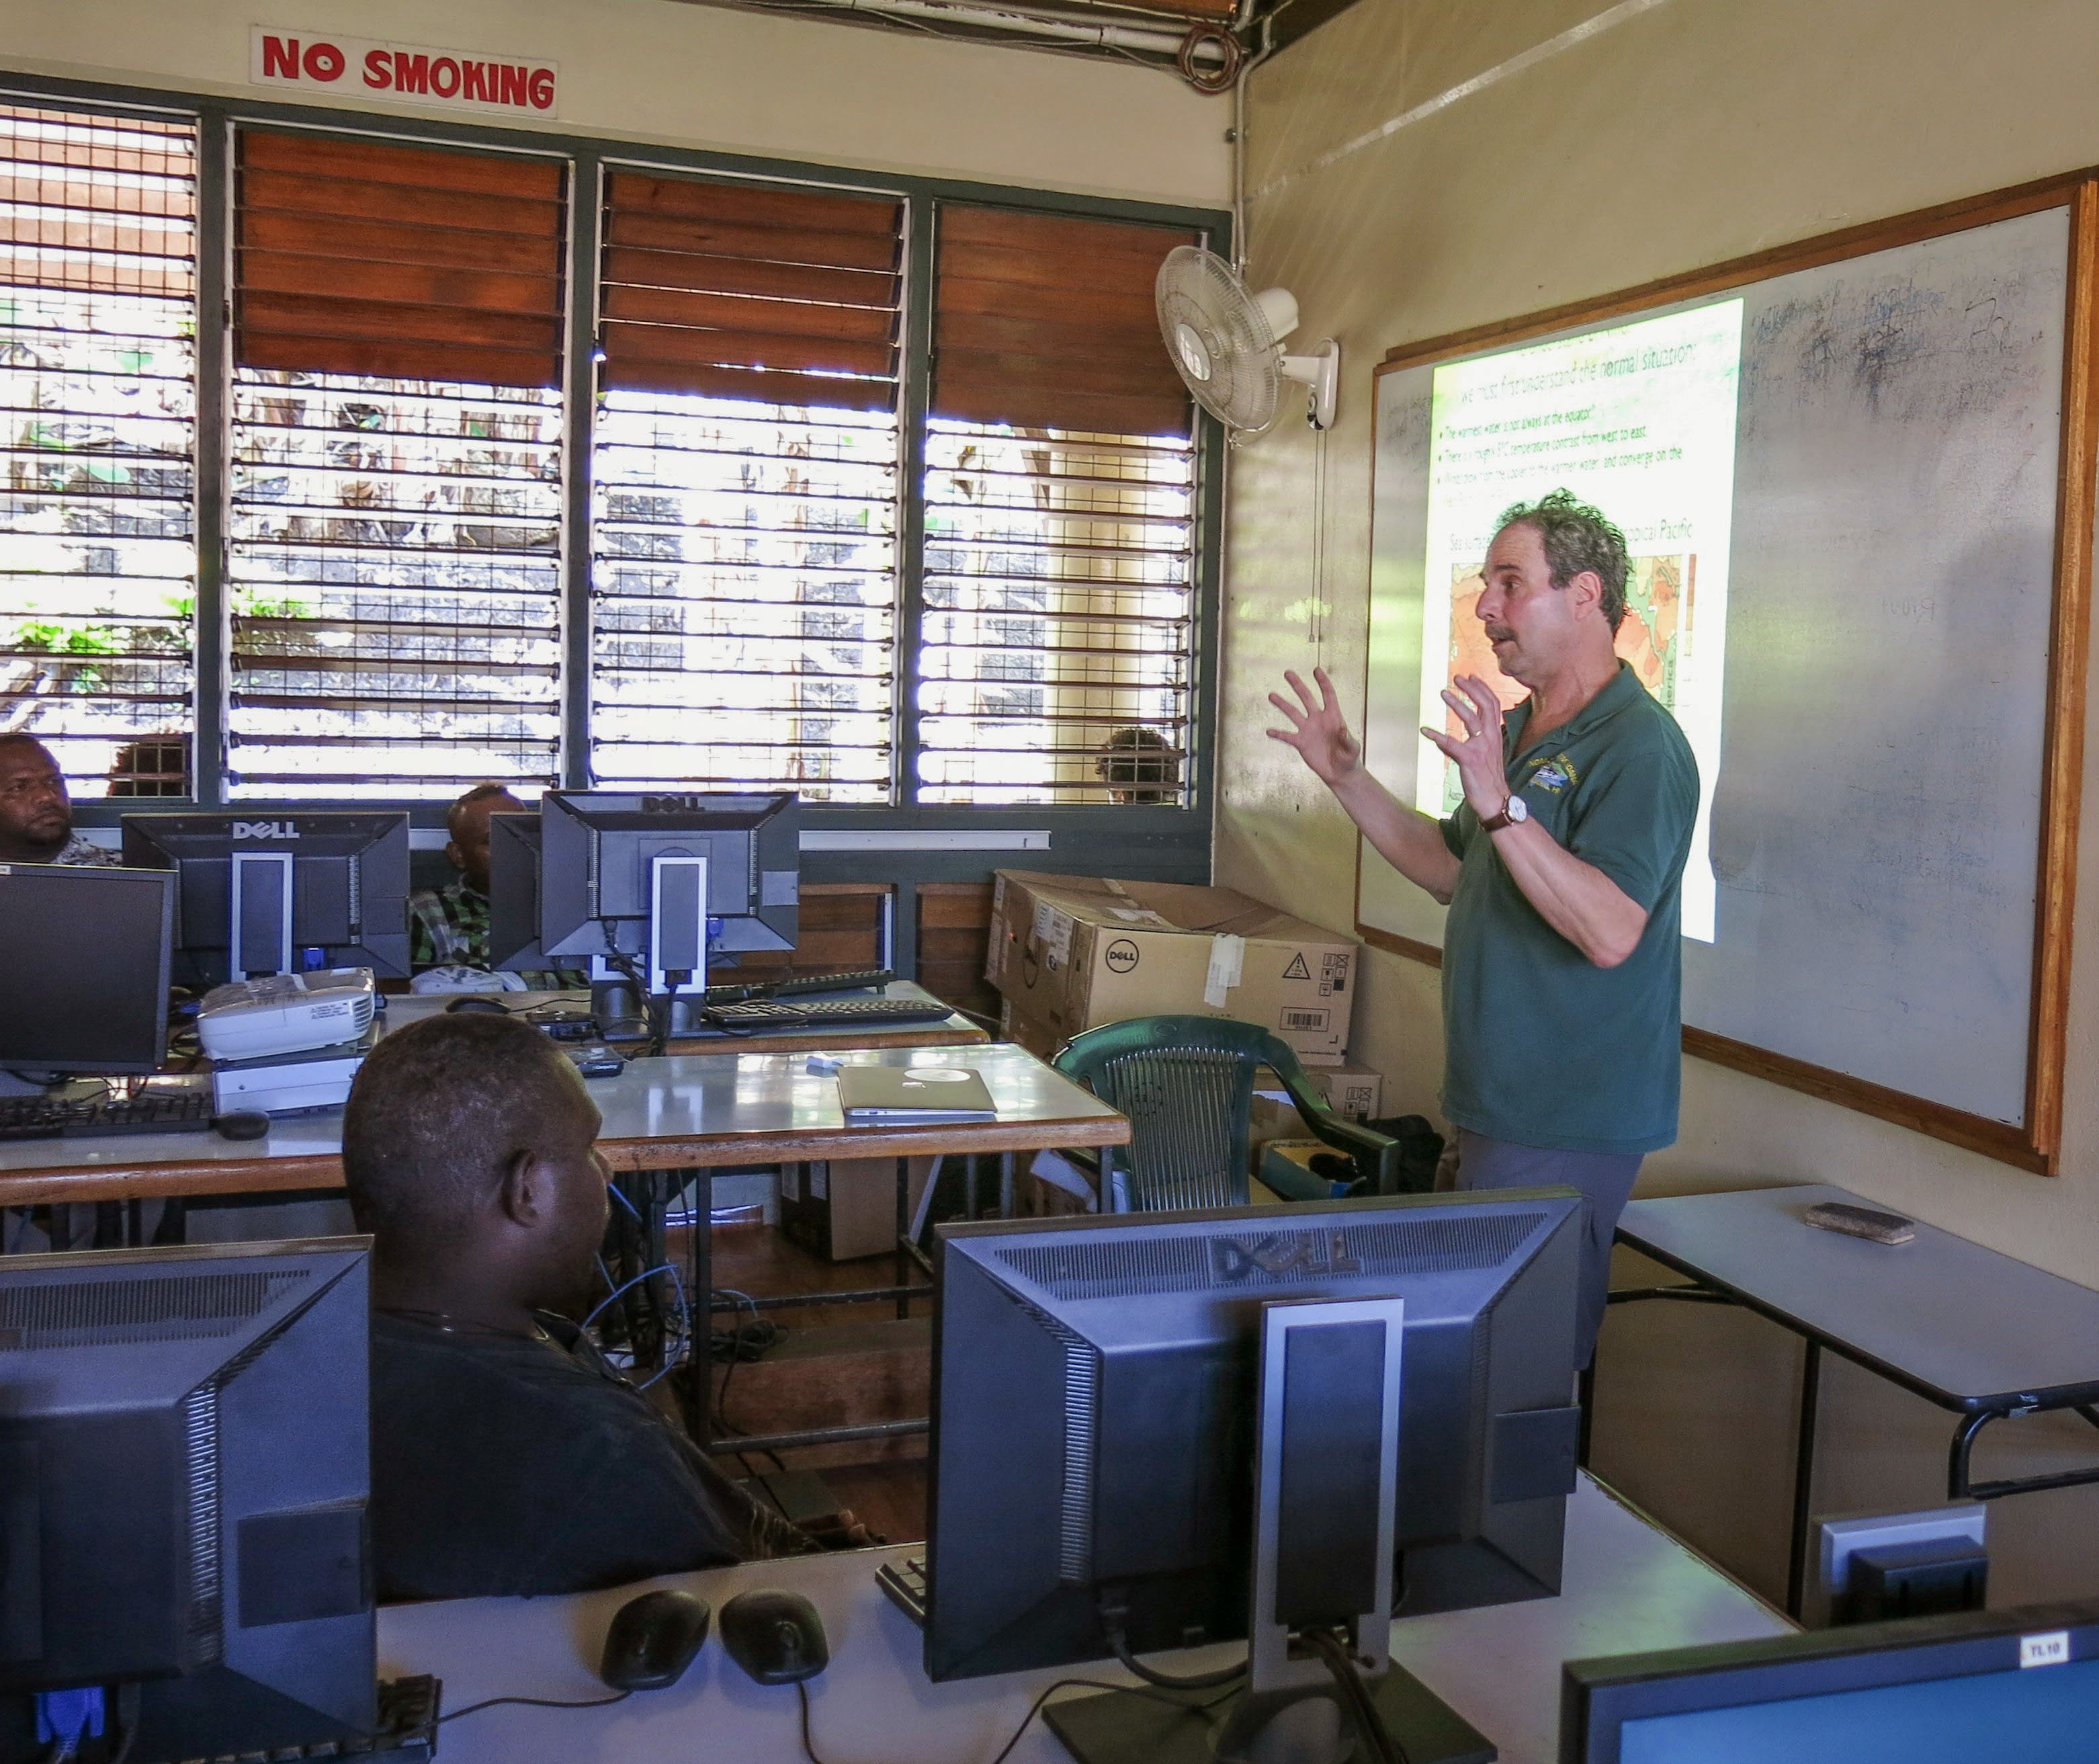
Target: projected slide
<point x="1638" y="420"/>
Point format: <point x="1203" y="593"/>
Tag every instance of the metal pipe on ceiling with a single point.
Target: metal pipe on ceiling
<point x="1163" y="43"/>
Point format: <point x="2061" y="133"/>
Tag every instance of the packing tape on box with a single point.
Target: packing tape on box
<point x="1227" y="963"/>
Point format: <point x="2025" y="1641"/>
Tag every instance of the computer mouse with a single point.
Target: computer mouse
<point x="652" y="1640"/>
<point x="775" y="1636"/>
<point x="241" y="1123"/>
<point x="475" y="1002"/>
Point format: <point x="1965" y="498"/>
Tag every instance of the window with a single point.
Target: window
<point x="394" y="556"/>
<point x="888" y="498"/>
<point x="98" y="371"/>
<point x="1056" y="659"/>
<point x="744" y="563"/>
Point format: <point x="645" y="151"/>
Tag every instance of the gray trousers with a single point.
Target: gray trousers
<point x="1606" y="1182"/>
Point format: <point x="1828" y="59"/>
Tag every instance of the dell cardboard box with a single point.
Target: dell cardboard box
<point x="1071" y="952"/>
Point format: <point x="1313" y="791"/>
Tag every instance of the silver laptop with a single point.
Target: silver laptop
<point x="871" y="1093"/>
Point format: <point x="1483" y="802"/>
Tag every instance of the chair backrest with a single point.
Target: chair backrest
<point x="1186" y="1085"/>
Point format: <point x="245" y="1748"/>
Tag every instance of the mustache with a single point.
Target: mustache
<point x="1499" y="633"/>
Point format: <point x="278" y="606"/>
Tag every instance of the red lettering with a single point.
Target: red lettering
<point x="513" y="85"/>
<point x="477" y="83"/>
<point x="543" y="89"/>
<point x="411" y="73"/>
<point x="378" y="69"/>
<point x="445" y="77"/>
<point x="323" y="62"/>
<point x="280" y="58"/>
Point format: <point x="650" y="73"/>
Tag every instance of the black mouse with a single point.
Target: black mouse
<point x="777" y="1637"/>
<point x="241" y="1123"/>
<point x="652" y="1640"/>
<point x="475" y="1002"/>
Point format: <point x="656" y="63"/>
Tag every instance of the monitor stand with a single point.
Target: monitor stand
<point x="617" y="1005"/>
<point x="1325" y="1488"/>
<point x="1121" y="1728"/>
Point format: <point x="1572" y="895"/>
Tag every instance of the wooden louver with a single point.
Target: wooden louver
<point x="1047" y="321"/>
<point x="410" y="263"/>
<point x="784" y="296"/>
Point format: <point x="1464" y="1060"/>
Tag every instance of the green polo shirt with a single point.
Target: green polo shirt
<point x="1543" y="1047"/>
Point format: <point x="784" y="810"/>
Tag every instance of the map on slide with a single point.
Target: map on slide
<point x="1656" y="631"/>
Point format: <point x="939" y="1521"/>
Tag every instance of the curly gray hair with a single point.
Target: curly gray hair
<point x="1575" y="537"/>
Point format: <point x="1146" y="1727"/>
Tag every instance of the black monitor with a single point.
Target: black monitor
<point x="1100" y="1404"/>
<point x="649" y="888"/>
<point x="270" y="891"/>
<point x="84" y="983"/>
<point x="185" y="1466"/>
<point x="2019" y="1686"/>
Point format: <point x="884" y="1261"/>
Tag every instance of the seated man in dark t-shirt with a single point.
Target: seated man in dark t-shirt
<point x="507" y="1456"/>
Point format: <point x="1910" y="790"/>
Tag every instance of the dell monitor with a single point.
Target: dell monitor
<point x="84" y="987"/>
<point x="1119" y="1466"/>
<point x="185" y="1468"/>
<point x="647" y="888"/>
<point x="2018" y="1686"/>
<point x="281" y="893"/>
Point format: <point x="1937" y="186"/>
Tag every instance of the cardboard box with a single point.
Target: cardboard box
<point x="846" y="1208"/>
<point x="1351" y="1090"/>
<point x="1072" y="953"/>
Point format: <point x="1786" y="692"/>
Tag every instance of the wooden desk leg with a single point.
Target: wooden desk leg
<point x="1803" y="1476"/>
<point x="1007" y="1178"/>
<point x="903" y="1236"/>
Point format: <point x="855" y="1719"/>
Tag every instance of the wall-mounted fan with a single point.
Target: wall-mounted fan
<point x="1227" y="342"/>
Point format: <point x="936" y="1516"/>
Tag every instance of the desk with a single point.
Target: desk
<point x="1628" y="1587"/>
<point x="660" y="1113"/>
<point x="405" y="1008"/>
<point x="1974" y="1331"/>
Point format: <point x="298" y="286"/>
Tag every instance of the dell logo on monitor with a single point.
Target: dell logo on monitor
<point x="1280" y="1254"/>
<point x="672" y="805"/>
<point x="266" y="830"/>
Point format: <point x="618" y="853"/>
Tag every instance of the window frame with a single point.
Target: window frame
<point x="1125" y="838"/>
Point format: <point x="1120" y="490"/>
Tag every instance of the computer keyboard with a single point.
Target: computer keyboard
<point x="185" y="1111"/>
<point x="825" y="1012"/>
<point x="905" y="1581"/>
<point x="736" y="992"/>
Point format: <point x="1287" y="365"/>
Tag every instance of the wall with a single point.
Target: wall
<point x="703" y="77"/>
<point x="1420" y="165"/>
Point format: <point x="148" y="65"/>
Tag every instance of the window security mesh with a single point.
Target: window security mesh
<point x="98" y="323"/>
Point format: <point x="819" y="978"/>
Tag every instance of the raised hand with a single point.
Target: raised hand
<point x="1317" y="731"/>
<point x="1481" y="763"/>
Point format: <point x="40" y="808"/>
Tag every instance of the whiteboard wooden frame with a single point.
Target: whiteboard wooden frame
<point x="2036" y="1144"/>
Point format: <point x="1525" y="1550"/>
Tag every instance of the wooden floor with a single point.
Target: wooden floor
<point x="854" y="1359"/>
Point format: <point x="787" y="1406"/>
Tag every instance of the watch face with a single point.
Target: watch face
<point x="1518" y="809"/>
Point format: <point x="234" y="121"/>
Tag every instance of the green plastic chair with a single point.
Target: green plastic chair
<point x="1186" y="1085"/>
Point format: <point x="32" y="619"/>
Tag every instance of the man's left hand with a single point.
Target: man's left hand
<point x="1481" y="763"/>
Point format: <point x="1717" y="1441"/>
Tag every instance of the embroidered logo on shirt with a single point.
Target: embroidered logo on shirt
<point x="1556" y="774"/>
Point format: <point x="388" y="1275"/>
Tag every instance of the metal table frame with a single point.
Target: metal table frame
<point x="1975" y="1412"/>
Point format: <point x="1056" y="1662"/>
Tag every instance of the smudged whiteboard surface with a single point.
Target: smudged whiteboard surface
<point x="1876" y="818"/>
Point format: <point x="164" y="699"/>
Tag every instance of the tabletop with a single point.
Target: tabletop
<point x="1627" y="1587"/>
<point x="688" y="1110"/>
<point x="1962" y="1326"/>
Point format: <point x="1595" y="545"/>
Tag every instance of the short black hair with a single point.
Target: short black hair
<point x="438" y="1111"/>
<point x="479" y="793"/>
<point x="24" y="738"/>
<point x="1575" y="537"/>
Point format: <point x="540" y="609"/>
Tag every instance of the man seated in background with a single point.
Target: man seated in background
<point x="36" y="813"/>
<point x="507" y="1456"/>
<point x="448" y="926"/>
<point x="1139" y="765"/>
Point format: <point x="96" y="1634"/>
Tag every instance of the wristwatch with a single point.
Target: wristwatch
<point x="1515" y="810"/>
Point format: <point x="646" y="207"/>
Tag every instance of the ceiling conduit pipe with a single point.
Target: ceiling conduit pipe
<point x="1164" y="44"/>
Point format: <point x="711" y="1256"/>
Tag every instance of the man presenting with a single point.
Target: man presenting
<point x="1562" y="972"/>
<point x="36" y="814"/>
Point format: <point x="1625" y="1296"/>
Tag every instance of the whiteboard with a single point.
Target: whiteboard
<point x="1876" y="823"/>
